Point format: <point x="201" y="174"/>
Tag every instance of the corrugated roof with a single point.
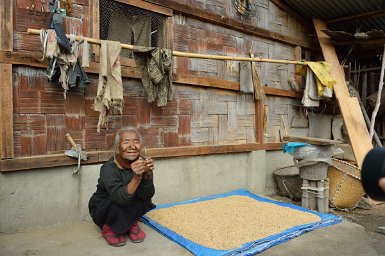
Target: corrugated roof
<point x="329" y="10"/>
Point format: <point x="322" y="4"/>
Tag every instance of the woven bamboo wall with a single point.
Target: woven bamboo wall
<point x="196" y="116"/>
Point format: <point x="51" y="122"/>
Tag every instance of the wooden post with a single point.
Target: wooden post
<point x="349" y="106"/>
<point x="94" y="17"/>
<point x="364" y="90"/>
<point x="297" y="56"/>
<point x="6" y="105"/>
<point x="379" y="92"/>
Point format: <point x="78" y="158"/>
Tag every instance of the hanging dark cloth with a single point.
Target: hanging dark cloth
<point x="155" y="67"/>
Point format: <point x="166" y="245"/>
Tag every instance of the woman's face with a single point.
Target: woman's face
<point x="130" y="146"/>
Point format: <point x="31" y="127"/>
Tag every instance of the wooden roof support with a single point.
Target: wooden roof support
<point x="349" y="106"/>
<point x="357" y="17"/>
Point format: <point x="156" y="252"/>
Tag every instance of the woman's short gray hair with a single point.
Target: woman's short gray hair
<point x="120" y="131"/>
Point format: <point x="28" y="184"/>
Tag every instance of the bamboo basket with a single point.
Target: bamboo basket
<point x="345" y="187"/>
<point x="288" y="182"/>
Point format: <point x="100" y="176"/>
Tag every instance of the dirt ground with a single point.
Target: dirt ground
<point x="370" y="219"/>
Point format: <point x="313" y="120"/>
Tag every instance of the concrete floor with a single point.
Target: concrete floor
<point x="84" y="238"/>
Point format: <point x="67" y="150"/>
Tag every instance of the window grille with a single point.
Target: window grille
<point x="131" y="25"/>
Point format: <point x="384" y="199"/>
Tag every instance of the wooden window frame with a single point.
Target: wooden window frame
<point x="95" y="18"/>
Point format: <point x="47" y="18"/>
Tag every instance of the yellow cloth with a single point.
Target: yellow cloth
<point x="324" y="78"/>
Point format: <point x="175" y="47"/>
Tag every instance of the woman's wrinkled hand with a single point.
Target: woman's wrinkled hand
<point x="139" y="167"/>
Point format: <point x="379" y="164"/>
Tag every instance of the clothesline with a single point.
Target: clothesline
<point x="187" y="54"/>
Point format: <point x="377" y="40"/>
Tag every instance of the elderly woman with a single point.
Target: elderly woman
<point x="124" y="190"/>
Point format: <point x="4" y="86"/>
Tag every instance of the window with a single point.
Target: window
<point x="132" y="25"/>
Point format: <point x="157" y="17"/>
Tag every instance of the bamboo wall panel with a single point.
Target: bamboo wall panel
<point x="38" y="17"/>
<point x="200" y="37"/>
<point x="267" y="15"/>
<point x="197" y="116"/>
<point x="279" y="108"/>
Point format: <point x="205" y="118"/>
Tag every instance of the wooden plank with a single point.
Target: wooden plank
<point x="148" y="6"/>
<point x="6" y="105"/>
<point x="6" y="25"/>
<point x="310" y="140"/>
<point x="6" y="112"/>
<point x="94" y="25"/>
<point x="282" y="93"/>
<point x="33" y="59"/>
<point x="207" y="82"/>
<point x="350" y="108"/>
<point x="56" y="160"/>
<point x="259" y="121"/>
<point x="227" y="22"/>
<point x="297" y="56"/>
<point x="357" y="17"/>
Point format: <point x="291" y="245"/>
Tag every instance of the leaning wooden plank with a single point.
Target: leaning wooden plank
<point x="350" y="108"/>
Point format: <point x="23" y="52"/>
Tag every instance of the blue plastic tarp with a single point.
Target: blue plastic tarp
<point x="250" y="248"/>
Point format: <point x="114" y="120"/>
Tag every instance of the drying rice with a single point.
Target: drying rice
<point x="227" y="223"/>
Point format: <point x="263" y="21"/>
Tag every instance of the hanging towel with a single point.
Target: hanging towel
<point x="325" y="82"/>
<point x="310" y="95"/>
<point x="110" y="86"/>
<point x="245" y="77"/>
<point x="86" y="55"/>
<point x="155" y="67"/>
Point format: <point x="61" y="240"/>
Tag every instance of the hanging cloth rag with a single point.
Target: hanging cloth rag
<point x="155" y="67"/>
<point x="110" y="86"/>
<point x="245" y="77"/>
<point x="325" y="81"/>
<point x="310" y="95"/>
<point x="86" y="58"/>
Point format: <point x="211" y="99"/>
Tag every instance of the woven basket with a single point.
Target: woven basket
<point x="345" y="187"/>
<point x="288" y="182"/>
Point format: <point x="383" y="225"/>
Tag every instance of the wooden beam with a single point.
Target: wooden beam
<point x="357" y="17"/>
<point x="148" y="6"/>
<point x="310" y="140"/>
<point x="207" y="82"/>
<point x="282" y="93"/>
<point x="259" y="124"/>
<point x="297" y="56"/>
<point x="6" y="25"/>
<point x="56" y="160"/>
<point x="33" y="59"/>
<point x="350" y="108"/>
<point x="363" y="41"/>
<point x="6" y="112"/>
<point x="230" y="23"/>
<point x="6" y="102"/>
<point x="94" y="25"/>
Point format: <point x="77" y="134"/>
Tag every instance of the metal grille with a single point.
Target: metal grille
<point x="114" y="25"/>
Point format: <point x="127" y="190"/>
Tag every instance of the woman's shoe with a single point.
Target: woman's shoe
<point x="111" y="237"/>
<point x="136" y="234"/>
